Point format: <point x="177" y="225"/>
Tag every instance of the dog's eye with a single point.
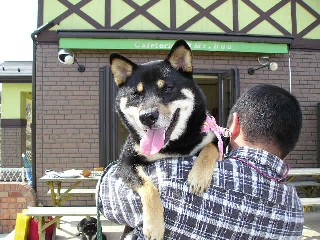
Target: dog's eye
<point x="136" y="94"/>
<point x="168" y="88"/>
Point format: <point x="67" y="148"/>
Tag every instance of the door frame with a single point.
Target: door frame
<point x="223" y="74"/>
<point x="108" y="122"/>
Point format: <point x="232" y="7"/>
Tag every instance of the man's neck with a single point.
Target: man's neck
<point x="240" y="142"/>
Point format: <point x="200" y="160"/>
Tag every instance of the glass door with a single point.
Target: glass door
<point x="228" y="92"/>
<point x="221" y="89"/>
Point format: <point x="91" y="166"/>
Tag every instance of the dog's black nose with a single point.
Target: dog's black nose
<point x="149" y="118"/>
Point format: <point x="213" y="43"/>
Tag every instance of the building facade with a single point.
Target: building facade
<point x="75" y="122"/>
<point x="15" y="77"/>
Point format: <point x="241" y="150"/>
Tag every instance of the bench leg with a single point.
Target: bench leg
<point x="41" y="231"/>
<point x="42" y="225"/>
<point x="307" y="208"/>
<point x="54" y="234"/>
<point x="310" y="191"/>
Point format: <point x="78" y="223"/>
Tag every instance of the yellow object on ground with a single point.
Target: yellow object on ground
<point x="22" y="226"/>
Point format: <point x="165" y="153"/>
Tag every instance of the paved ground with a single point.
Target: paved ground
<point x="311" y="229"/>
<point x="68" y="228"/>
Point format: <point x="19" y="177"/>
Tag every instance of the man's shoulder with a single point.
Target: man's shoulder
<point x="231" y="168"/>
<point x="240" y="178"/>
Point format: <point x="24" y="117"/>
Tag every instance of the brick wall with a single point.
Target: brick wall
<point x="306" y="80"/>
<point x="67" y="117"/>
<point x="13" y="144"/>
<point x="14" y="197"/>
<point x="68" y="102"/>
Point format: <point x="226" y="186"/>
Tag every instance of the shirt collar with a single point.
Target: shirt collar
<point x="262" y="158"/>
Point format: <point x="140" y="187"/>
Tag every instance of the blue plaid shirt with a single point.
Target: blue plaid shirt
<point x="244" y="201"/>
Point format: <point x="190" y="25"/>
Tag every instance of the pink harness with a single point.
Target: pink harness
<point x="211" y="125"/>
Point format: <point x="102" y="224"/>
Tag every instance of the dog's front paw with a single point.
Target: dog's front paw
<point x="154" y="230"/>
<point x="199" y="181"/>
<point x="202" y="170"/>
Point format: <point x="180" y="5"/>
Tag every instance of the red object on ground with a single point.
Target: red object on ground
<point x="33" y="230"/>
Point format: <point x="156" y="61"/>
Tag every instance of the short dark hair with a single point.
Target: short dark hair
<point x="270" y="115"/>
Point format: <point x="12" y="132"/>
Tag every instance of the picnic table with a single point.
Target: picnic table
<point x="309" y="186"/>
<point x="60" y="195"/>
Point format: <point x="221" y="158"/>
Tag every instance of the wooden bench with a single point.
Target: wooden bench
<point x="308" y="187"/>
<point x="42" y="214"/>
<point x="310" y="201"/>
<point x="75" y="191"/>
<point x="305" y="184"/>
<point x="67" y="193"/>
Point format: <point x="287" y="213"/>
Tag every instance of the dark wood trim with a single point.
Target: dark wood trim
<point x="40" y="13"/>
<point x="314" y="24"/>
<point x="13" y="123"/>
<point x="172" y="32"/>
<point x="294" y="17"/>
<point x="15" y="79"/>
<point x="232" y="37"/>
<point x="140" y="10"/>
<point x="204" y="12"/>
<point x="108" y="14"/>
<point x="48" y="37"/>
<point x="173" y="16"/>
<point x="235" y="16"/>
<point x="76" y="9"/>
<point x="265" y="16"/>
<point x="305" y="44"/>
<point x="300" y="43"/>
<point x="309" y="28"/>
<point x="308" y="8"/>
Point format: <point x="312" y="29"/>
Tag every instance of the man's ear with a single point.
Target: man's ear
<point x="121" y="68"/>
<point x="235" y="126"/>
<point x="180" y="56"/>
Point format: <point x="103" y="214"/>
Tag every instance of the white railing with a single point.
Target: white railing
<point x="13" y="175"/>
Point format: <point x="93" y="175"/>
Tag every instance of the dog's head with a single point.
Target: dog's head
<point x="88" y="228"/>
<point x="158" y="101"/>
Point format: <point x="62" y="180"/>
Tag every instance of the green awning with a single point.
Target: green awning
<point x="152" y="44"/>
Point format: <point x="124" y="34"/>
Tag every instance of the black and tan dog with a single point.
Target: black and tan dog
<point x="88" y="229"/>
<point x="163" y="110"/>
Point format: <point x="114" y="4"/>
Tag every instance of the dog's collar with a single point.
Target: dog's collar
<point x="210" y="124"/>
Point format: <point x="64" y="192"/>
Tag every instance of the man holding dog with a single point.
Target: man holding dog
<point x="248" y="197"/>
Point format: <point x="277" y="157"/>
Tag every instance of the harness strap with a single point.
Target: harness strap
<point x="210" y="124"/>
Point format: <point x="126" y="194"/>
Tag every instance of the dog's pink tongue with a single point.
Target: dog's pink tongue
<point x="152" y="142"/>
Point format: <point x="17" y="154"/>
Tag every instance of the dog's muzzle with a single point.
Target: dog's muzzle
<point x="149" y="118"/>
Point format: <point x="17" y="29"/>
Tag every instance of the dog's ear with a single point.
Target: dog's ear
<point x="180" y="56"/>
<point x="121" y="68"/>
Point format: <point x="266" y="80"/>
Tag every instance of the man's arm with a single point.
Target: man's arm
<point x="120" y="204"/>
<point x="117" y="201"/>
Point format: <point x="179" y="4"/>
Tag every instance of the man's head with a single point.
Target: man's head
<point x="268" y="117"/>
